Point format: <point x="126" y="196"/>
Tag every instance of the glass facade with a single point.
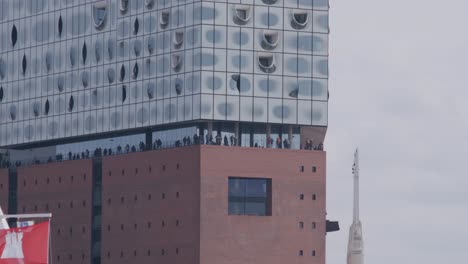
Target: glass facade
<point x="75" y="68"/>
<point x="249" y="196"/>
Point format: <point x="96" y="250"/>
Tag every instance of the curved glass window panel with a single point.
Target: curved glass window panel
<point x="123" y="49"/>
<point x="235" y="82"/>
<point x="137" y="47"/>
<point x="48" y="61"/>
<point x="2" y="69"/>
<point x="13" y="112"/>
<point x="72" y="56"/>
<point x="151" y="45"/>
<point x="123" y="6"/>
<point x="24" y="64"/>
<point x="150" y="90"/>
<point x="266" y="62"/>
<point x="149" y="4"/>
<point x="136" y="26"/>
<point x="110" y="75"/>
<point x="100" y="14"/>
<point x="46" y="107"/>
<point x="124" y="93"/>
<point x="270" y="39"/>
<point x="1" y="93"/>
<point x="95" y="98"/>
<point x="36" y="109"/>
<point x="294" y="93"/>
<point x="150" y="67"/>
<point x="14" y="35"/>
<point x="85" y="79"/>
<point x="60" y="26"/>
<point x="84" y="53"/>
<point x="179" y="86"/>
<point x="136" y="70"/>
<point x="97" y="51"/>
<point x="60" y="83"/>
<point x="71" y="104"/>
<point x="177" y="62"/>
<point x="178" y="38"/>
<point x="299" y="19"/>
<point x="122" y="73"/>
<point x="242" y="14"/>
<point x="164" y="18"/>
<point x="110" y="48"/>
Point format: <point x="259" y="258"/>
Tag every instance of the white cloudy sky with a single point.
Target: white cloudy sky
<point x="398" y="86"/>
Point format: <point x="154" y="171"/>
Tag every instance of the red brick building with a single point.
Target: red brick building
<point x="196" y="204"/>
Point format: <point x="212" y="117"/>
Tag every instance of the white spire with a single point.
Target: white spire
<point x="355" y="243"/>
<point x="356" y="187"/>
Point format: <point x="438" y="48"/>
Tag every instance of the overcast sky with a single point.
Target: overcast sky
<point x="398" y="90"/>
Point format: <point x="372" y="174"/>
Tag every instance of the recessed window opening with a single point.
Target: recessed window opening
<point x="178" y="38"/>
<point x="122" y="73"/>
<point x="71" y="104"/>
<point x="249" y="196"/>
<point x="136" y="26"/>
<point x="24" y="64"/>
<point x="236" y="78"/>
<point x="266" y="62"/>
<point x="294" y="93"/>
<point x="84" y="53"/>
<point x="136" y="70"/>
<point x="123" y="6"/>
<point x="100" y="14"/>
<point x="149" y="4"/>
<point x="176" y="62"/>
<point x="270" y="39"/>
<point x="300" y="18"/>
<point x="164" y="16"/>
<point x="60" y="26"/>
<point x="14" y="35"/>
<point x="242" y="14"/>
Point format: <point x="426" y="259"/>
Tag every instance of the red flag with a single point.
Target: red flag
<point x="25" y="245"/>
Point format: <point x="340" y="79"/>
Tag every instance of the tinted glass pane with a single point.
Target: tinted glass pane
<point x="255" y="208"/>
<point x="236" y="187"/>
<point x="236" y="208"/>
<point x="249" y="196"/>
<point x="256" y="188"/>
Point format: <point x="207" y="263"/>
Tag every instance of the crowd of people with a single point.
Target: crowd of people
<point x="208" y="139"/>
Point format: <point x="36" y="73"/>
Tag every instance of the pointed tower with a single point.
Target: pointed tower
<point x="355" y="243"/>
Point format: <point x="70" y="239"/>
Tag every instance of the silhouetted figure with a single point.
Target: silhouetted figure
<point x="133" y="149"/>
<point x="320" y="146"/>
<point x="226" y="142"/>
<point x="185" y="141"/>
<point x="278" y="142"/>
<point x="69" y="155"/>
<point x="127" y="148"/>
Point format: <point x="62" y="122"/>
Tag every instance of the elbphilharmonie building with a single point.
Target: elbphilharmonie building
<point x="168" y="131"/>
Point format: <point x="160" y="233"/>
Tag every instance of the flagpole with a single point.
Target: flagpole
<point x="26" y="216"/>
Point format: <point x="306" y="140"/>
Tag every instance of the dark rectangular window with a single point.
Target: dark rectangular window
<point x="249" y="196"/>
